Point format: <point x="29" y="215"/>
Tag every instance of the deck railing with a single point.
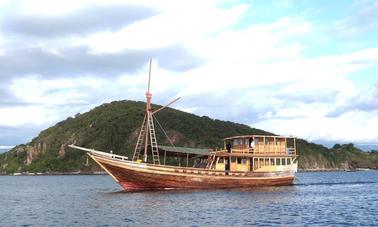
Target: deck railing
<point x="101" y="153"/>
<point x="266" y="149"/>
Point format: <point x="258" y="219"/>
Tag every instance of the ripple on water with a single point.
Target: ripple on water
<point x="338" y="198"/>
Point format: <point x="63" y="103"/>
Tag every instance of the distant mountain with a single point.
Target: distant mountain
<point x="367" y="147"/>
<point x="114" y="126"/>
<point x="2" y="150"/>
<point x="361" y="146"/>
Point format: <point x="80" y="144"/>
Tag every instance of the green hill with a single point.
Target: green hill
<point x="114" y="126"/>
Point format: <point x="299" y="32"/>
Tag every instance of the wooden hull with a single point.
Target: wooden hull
<point x="140" y="176"/>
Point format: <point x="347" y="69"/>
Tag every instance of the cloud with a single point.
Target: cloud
<point x="272" y="94"/>
<point x="8" y="98"/>
<point x="349" y="127"/>
<point x="365" y="100"/>
<point x="362" y="21"/>
<point x="5" y="147"/>
<point x="343" y="112"/>
<point x="222" y="60"/>
<point x="186" y="23"/>
<point x="79" y="61"/>
<point x="178" y="58"/>
<point x="67" y="62"/>
<point x="11" y="136"/>
<point x="52" y="48"/>
<point x="82" y="21"/>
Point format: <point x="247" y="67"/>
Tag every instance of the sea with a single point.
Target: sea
<point x="316" y="199"/>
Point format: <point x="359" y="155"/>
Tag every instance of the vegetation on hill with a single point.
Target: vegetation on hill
<point x="114" y="126"/>
<point x="345" y="156"/>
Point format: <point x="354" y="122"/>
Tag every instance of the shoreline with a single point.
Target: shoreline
<point x="334" y="170"/>
<point x="104" y="173"/>
<point x="55" y="174"/>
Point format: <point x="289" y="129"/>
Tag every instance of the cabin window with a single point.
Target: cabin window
<point x="283" y="162"/>
<point x="239" y="160"/>
<point x="233" y="159"/>
<point x="288" y="161"/>
<point x="280" y="141"/>
<point x="244" y="161"/>
<point x="267" y="161"/>
<point x="237" y="142"/>
<point x="278" y="161"/>
<point x="220" y="160"/>
<point x="246" y="141"/>
<point x="272" y="161"/>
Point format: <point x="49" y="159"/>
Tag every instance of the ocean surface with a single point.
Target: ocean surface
<point x="326" y="198"/>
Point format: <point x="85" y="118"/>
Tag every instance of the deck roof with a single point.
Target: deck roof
<point x="250" y="136"/>
<point x="195" y="151"/>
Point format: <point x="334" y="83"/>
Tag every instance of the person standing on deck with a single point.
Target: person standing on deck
<point x="251" y="144"/>
<point x="228" y="147"/>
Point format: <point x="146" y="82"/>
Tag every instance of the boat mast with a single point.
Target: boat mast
<point x="148" y="113"/>
<point x="147" y="133"/>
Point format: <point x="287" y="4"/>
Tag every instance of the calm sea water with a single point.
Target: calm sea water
<point x="334" y="198"/>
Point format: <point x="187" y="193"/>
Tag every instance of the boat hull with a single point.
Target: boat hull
<point x="140" y="176"/>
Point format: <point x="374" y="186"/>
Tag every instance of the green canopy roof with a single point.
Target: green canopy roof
<point x="196" y="151"/>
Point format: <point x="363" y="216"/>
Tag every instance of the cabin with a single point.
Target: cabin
<point x="256" y="153"/>
<point x="249" y="153"/>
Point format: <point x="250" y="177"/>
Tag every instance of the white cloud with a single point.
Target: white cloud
<point x="177" y="24"/>
<point x="6" y="147"/>
<point x="48" y="101"/>
<point x="348" y="116"/>
<point x="349" y="127"/>
<point x="53" y="92"/>
<point x="258" y="71"/>
<point x="19" y="116"/>
<point x="361" y="21"/>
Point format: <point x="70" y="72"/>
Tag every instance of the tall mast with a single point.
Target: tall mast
<point x="149" y="77"/>
<point x="148" y="112"/>
<point x="147" y="134"/>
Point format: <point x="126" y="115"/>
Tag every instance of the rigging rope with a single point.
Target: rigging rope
<point x="170" y="141"/>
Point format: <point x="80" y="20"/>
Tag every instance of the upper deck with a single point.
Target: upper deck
<point x="261" y="145"/>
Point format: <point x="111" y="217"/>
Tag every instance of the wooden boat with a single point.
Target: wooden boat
<point x="245" y="161"/>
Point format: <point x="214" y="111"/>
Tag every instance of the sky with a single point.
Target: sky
<point x="302" y="68"/>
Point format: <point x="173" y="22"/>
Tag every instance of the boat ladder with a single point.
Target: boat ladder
<point x="139" y="146"/>
<point x="210" y="161"/>
<point x="154" y="147"/>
